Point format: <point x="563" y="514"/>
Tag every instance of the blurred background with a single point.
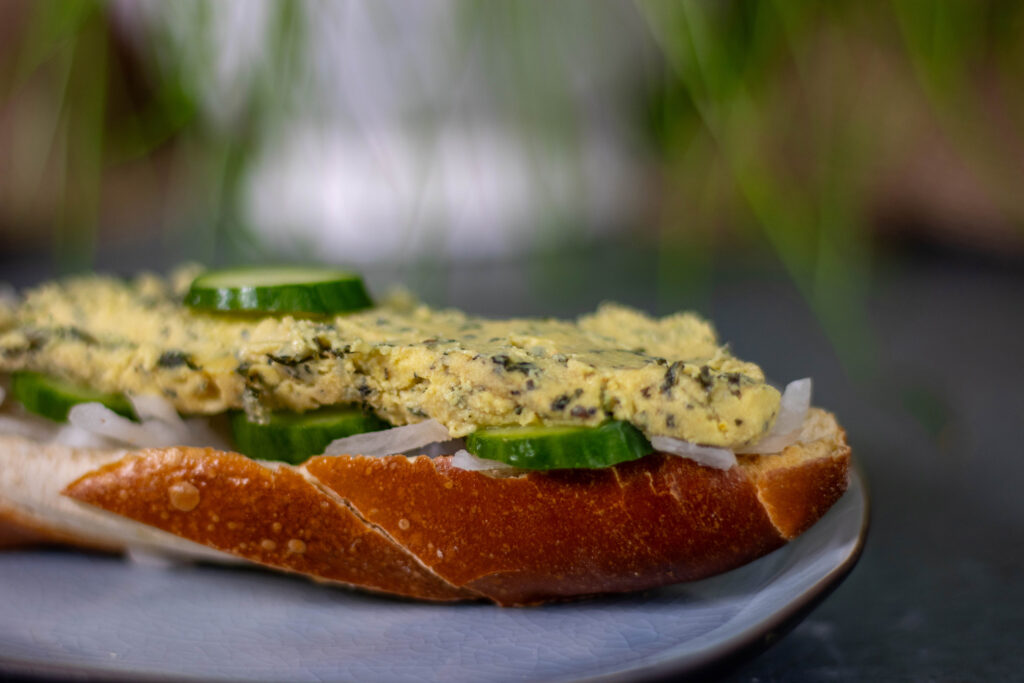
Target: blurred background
<point x="423" y="134"/>
<point x="839" y="185"/>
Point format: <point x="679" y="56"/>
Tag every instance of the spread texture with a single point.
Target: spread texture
<point x="407" y="362"/>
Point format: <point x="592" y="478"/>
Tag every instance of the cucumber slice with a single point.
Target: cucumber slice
<point x="293" y="437"/>
<point x="549" y="448"/>
<point x="53" y="398"/>
<point x="283" y="289"/>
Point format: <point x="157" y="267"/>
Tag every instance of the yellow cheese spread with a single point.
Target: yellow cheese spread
<point x="407" y="362"/>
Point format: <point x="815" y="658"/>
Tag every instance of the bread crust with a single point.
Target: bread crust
<point x="654" y="521"/>
<point x="422" y="528"/>
<point x="270" y="515"/>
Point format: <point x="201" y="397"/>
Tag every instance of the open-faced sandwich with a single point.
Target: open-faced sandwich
<point x="278" y="416"/>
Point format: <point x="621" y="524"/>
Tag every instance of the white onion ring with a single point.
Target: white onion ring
<point x="464" y="460"/>
<point x="99" y="419"/>
<point x="438" y="448"/>
<point x="77" y="437"/>
<point x="793" y="407"/>
<point x="719" y="458"/>
<point x="390" y="441"/>
<point x="195" y="431"/>
<point x="151" y="407"/>
<point x="28" y="426"/>
<point x="160" y="426"/>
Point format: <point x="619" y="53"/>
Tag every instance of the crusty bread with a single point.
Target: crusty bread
<point x="32" y="509"/>
<point x="420" y="527"/>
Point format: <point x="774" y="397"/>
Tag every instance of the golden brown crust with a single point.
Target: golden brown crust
<point x="32" y="475"/>
<point x="800" y="484"/>
<point x="654" y="521"/>
<point x="271" y="516"/>
<point x="796" y="497"/>
<point x="422" y="528"/>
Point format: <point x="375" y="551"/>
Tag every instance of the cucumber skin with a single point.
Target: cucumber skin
<point x="318" y="298"/>
<point x="53" y="399"/>
<point x="294" y="437"/>
<point x="577" y="448"/>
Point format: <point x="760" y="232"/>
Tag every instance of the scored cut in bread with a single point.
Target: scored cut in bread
<point x="420" y="527"/>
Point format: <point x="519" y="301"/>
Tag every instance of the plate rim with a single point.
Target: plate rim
<point x="759" y="635"/>
<point x="674" y="662"/>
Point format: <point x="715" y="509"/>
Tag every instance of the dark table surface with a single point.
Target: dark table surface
<point x="934" y="408"/>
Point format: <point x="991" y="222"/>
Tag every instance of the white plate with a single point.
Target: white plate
<point x="65" y="612"/>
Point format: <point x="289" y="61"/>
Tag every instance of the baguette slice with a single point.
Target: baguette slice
<point x="419" y="527"/>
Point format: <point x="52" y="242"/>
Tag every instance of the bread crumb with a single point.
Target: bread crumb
<point x="267" y="544"/>
<point x="296" y="546"/>
<point x="276" y="526"/>
<point x="403" y="524"/>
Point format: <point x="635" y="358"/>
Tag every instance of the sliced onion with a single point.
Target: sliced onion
<point x="464" y="460"/>
<point x="151" y="433"/>
<point x="719" y="458"/>
<point x="796" y="401"/>
<point x="99" y="419"/>
<point x="152" y="407"/>
<point x="438" y="448"/>
<point x="390" y="441"/>
<point x="77" y="437"/>
<point x="195" y="431"/>
<point x="17" y="421"/>
<point x="28" y="426"/>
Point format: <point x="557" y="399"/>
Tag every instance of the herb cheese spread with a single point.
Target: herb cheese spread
<point x="407" y="362"/>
